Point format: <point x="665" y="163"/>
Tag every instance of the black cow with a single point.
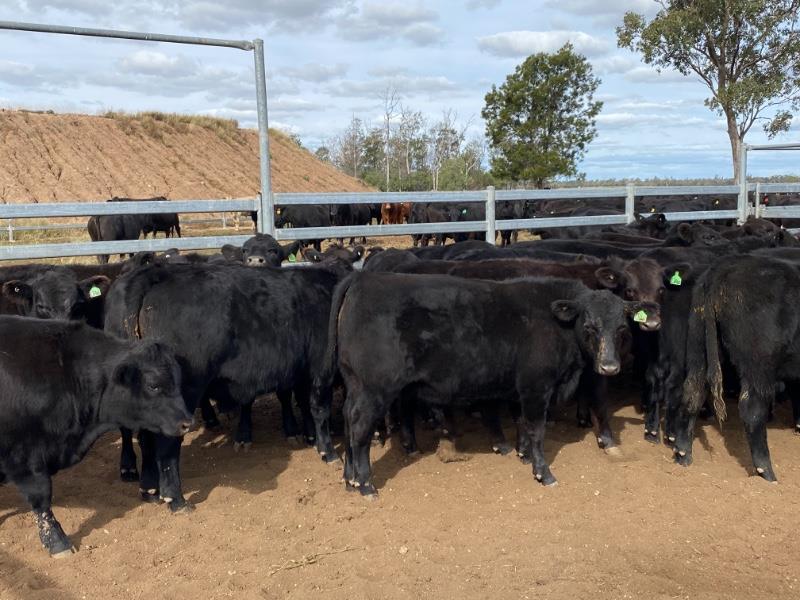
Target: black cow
<point x="350" y="215"/>
<point x="240" y="333"/>
<point x="304" y="216"/>
<point x="743" y="308"/>
<point x="450" y="341"/>
<point x="62" y="385"/>
<point x="262" y="250"/>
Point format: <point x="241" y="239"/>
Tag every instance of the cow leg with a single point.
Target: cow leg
<point x="360" y="415"/>
<point x="244" y="431"/>
<point x="651" y="402"/>
<point x="168" y="455"/>
<point x="408" y="411"/>
<point x="753" y="409"/>
<point x="127" y="459"/>
<point x="685" y="419"/>
<point x="302" y="396"/>
<point x="533" y="421"/>
<point x="148" y="481"/>
<point x="37" y="490"/>
<point x="596" y="387"/>
<point x="290" y="427"/>
<point x="793" y="392"/>
<point x="321" y="411"/>
<point x="209" y="415"/>
<point x="673" y="389"/>
<point x="491" y="420"/>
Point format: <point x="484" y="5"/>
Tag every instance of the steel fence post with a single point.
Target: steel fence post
<point x="630" y="198"/>
<point x="266" y="212"/>
<point x="491" y="225"/>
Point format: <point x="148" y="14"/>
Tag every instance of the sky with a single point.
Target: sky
<point x="328" y="60"/>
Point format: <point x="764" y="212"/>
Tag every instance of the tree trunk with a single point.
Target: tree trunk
<point x="736" y="143"/>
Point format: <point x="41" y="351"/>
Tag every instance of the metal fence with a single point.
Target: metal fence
<point x="489" y="226"/>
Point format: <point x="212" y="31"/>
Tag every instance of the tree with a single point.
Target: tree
<point x="539" y="122"/>
<point x="745" y="51"/>
<point x="323" y="153"/>
<point x="349" y="152"/>
<point x="444" y="143"/>
<point x="390" y="101"/>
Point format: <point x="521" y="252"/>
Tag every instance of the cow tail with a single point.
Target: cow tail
<point x="695" y="387"/>
<point x="330" y="364"/>
<point x="714" y="368"/>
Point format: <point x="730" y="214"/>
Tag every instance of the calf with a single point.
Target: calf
<point x="240" y="333"/>
<point x="449" y="341"/>
<point x="744" y="308"/>
<point x="62" y="385"/>
<point x="262" y="250"/>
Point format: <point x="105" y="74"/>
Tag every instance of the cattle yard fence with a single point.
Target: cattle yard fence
<point x="489" y="225"/>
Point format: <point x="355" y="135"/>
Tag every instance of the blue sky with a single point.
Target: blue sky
<point x="330" y="59"/>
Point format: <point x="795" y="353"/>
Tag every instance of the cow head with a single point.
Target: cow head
<point x="56" y="294"/>
<point x="697" y="234"/>
<point x="599" y="319"/>
<point x="263" y="250"/>
<point x="144" y="392"/>
<point x="639" y="280"/>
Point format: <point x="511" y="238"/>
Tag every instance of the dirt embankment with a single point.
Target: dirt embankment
<point x="51" y="157"/>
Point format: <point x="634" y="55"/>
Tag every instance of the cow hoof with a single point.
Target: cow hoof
<point x="181" y="508"/>
<point x="129" y="475"/>
<point x="669" y="440"/>
<point x="502" y="449"/>
<point x="767" y="474"/>
<point x="797" y="428"/>
<point x="368" y="492"/>
<point x="613" y="451"/>
<point x="149" y="496"/>
<point x="651" y="436"/>
<point x="604" y="442"/>
<point x="584" y="423"/>
<point x="683" y="459"/>
<point x="329" y="457"/>
<point x="295" y="441"/>
<point x="524" y="458"/>
<point x="310" y="440"/>
<point x="242" y="446"/>
<point x="547" y="479"/>
<point x="59" y="554"/>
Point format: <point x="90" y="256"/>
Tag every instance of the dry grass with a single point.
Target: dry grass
<point x="156" y="124"/>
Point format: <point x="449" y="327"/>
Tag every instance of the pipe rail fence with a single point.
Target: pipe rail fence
<point x="489" y="226"/>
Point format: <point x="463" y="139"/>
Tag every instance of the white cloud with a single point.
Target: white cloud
<point x="391" y="20"/>
<point x="316" y="72"/>
<point x="294" y="105"/>
<point x="621" y="120"/>
<point x="405" y="85"/>
<point x="605" y="12"/>
<point x="517" y="44"/>
<point x="476" y="4"/>
<point x="148" y="62"/>
<point x="646" y="74"/>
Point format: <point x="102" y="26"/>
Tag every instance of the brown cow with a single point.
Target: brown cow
<point x="395" y="214"/>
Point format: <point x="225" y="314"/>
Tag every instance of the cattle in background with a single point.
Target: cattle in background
<point x="395" y="213"/>
<point x="350" y="215"/>
<point x="509" y="209"/>
<point x="263" y="330"/>
<point x="62" y="385"/>
<point x="744" y="309"/>
<point x="449" y="341"/>
<point x="304" y="216"/>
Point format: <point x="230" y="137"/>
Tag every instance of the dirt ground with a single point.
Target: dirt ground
<point x="277" y="522"/>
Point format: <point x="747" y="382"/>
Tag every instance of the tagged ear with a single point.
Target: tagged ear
<point x="128" y="374"/>
<point x="358" y="252"/>
<point x="565" y="310"/>
<point x="608" y="277"/>
<point x="290" y="249"/>
<point x="18" y="292"/>
<point x="677" y="274"/>
<point x="311" y="254"/>
<point x="685" y="232"/>
<point x="94" y="287"/>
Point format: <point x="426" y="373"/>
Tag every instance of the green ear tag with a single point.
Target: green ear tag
<point x="95" y="292"/>
<point x="640" y="317"/>
<point x="676" y="279"/>
<point x="463" y="211"/>
<point x="292" y="258"/>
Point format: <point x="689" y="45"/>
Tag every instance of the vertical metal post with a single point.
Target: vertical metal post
<point x="10" y="230"/>
<point x="224" y="220"/>
<point x="491" y="225"/>
<point x="266" y="214"/>
<point x="630" y="198"/>
<point x="758" y="200"/>
<point x="742" y="183"/>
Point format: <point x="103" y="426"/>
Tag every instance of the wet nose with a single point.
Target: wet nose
<point x="608" y="368"/>
<point x="652" y="324"/>
<point x="255" y="261"/>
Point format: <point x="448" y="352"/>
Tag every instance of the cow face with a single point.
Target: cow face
<point x="263" y="250"/>
<point x="145" y="392"/>
<point x="639" y="280"/>
<point x="601" y="326"/>
<point x="697" y="234"/>
<point x="56" y="294"/>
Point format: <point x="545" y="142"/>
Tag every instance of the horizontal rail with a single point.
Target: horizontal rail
<point x="548" y="222"/>
<point x="31" y="251"/>
<point x="777" y="212"/>
<point x="773" y="188"/>
<point x="126" y="35"/>
<point x="689" y="190"/>
<point x="318" y="233"/>
<point x="295" y="199"/>
<point x="88" y="209"/>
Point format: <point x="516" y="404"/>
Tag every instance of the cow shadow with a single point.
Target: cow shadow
<point x="24" y="581"/>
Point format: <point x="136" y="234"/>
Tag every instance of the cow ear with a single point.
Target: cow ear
<point x="608" y="277"/>
<point x="677" y="274"/>
<point x="18" y="292"/>
<point x="290" y="249"/>
<point x="685" y="232"/>
<point x="143" y="258"/>
<point x="128" y="374"/>
<point x="94" y="287"/>
<point x="231" y="252"/>
<point x="358" y="252"/>
<point x="565" y="310"/>
<point x="662" y="219"/>
<point x="311" y="254"/>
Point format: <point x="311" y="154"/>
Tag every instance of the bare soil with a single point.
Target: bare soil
<point x="276" y="522"/>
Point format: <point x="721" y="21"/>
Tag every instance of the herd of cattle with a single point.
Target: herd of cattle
<point x="439" y="331"/>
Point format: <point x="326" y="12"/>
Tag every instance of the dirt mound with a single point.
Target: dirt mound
<point x="48" y="157"/>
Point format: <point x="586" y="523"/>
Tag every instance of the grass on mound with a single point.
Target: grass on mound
<point x="155" y="124"/>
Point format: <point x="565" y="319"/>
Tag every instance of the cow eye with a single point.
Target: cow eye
<point x="660" y="292"/>
<point x="630" y="294"/>
<point x="156" y="389"/>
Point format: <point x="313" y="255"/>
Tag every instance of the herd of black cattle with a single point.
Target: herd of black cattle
<point x="434" y="330"/>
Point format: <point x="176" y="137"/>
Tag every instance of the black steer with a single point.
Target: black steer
<point x="64" y="384"/>
<point x="450" y="341"/>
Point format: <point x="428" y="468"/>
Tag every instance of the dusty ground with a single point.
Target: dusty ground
<point x="277" y="522"/>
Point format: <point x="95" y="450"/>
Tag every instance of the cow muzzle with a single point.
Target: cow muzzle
<point x="256" y="261"/>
